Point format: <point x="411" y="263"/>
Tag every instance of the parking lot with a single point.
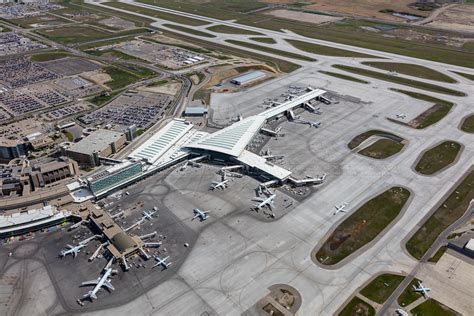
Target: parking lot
<point x="12" y="44"/>
<point x="140" y="109"/>
<point x="20" y="71"/>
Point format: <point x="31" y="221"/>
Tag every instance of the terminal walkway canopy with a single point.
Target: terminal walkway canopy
<point x="233" y="139"/>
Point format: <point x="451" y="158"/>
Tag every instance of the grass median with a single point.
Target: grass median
<point x="431" y="116"/>
<point x="452" y="208"/>
<point x="356" y="141"/>
<point x="382" y="149"/>
<point x="363" y="225"/>
<point x="438" y="157"/>
<point x="411" y="70"/>
<point x="356" y="306"/>
<point x="343" y="76"/>
<point x="468" y="124"/>
<point x="400" y="80"/>
<point x="271" y="50"/>
<point x="327" y="50"/>
<point x="231" y="30"/>
<point x="189" y="30"/>
<point x="380" y="288"/>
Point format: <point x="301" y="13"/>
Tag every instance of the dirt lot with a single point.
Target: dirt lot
<point x="366" y="8"/>
<point x="97" y="77"/>
<point x="304" y="17"/>
<point x="457" y="18"/>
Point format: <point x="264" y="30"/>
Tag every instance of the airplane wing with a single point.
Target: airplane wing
<point x="69" y="246"/>
<point x="108" y="285"/>
<point x="214" y="182"/>
<point x="270" y="206"/>
<point x="257" y="199"/>
<point x="91" y="282"/>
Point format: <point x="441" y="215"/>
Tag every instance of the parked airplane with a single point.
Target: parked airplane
<point x="148" y="216"/>
<point x="218" y="185"/>
<point x="401" y="115"/>
<point x="264" y="202"/>
<point x="102" y="281"/>
<point x="315" y="124"/>
<point x="340" y="208"/>
<point x="421" y="289"/>
<point x="162" y="262"/>
<point x="200" y="214"/>
<point x="72" y="250"/>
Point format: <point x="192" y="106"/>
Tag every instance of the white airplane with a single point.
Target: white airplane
<point x="340" y="208"/>
<point x="264" y="202"/>
<point x="421" y="289"/>
<point x="219" y="185"/>
<point x="102" y="281"/>
<point x="162" y="262"/>
<point x="72" y="250"/>
<point x="314" y="124"/>
<point x="148" y="216"/>
<point x="200" y="214"/>
<point x="401" y="115"/>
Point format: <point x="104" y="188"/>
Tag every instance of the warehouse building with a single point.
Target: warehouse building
<point x="195" y="111"/>
<point x="248" y="78"/>
<point x="100" y="143"/>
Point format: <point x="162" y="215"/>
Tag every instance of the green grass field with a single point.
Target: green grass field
<point x="465" y="75"/>
<point x="123" y="77"/>
<point x="357" y="307"/>
<point x="271" y="50"/>
<point x="326" y="50"/>
<point x="362" y="226"/>
<point x="432" y="307"/>
<point x="400" y="80"/>
<point x="157" y="14"/>
<point x="223" y="10"/>
<point x="189" y="30"/>
<point x="78" y="8"/>
<point x="40" y="19"/>
<point x="411" y="70"/>
<point x="70" y="35"/>
<point x="350" y="33"/>
<point x="468" y="124"/>
<point x="379" y="289"/>
<point x="438" y="254"/>
<point x="114" y="54"/>
<point x="356" y="141"/>
<point x="282" y="65"/>
<point x="438" y="157"/>
<point x="231" y="30"/>
<point x="440" y="109"/>
<point x="408" y="296"/>
<point x="382" y="149"/>
<point x="265" y="40"/>
<point x="104" y="97"/>
<point x="49" y="56"/>
<point x="343" y="76"/>
<point x="447" y="213"/>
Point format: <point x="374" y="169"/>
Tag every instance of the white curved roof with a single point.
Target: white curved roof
<point x="233" y="139"/>
<point x="160" y="142"/>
